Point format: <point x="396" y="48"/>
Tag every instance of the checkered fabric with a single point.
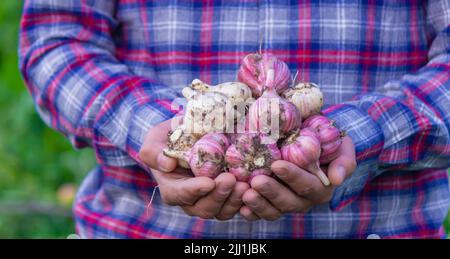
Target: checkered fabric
<point x="103" y="72"/>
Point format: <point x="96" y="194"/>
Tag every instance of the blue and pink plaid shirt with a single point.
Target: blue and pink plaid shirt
<point x="103" y="72"/>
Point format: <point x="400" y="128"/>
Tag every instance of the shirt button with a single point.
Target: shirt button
<point x="373" y="236"/>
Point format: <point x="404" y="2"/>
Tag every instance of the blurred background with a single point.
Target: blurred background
<point x="39" y="170"/>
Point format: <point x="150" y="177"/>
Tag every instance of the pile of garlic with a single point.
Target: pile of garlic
<point x="242" y="127"/>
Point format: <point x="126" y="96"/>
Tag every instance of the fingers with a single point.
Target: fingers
<point x="154" y="143"/>
<point x="182" y="171"/>
<point x="248" y="214"/>
<point x="279" y="195"/>
<point x="344" y="165"/>
<point x="164" y="163"/>
<point x="300" y="181"/>
<point x="260" y="206"/>
<point x="184" y="191"/>
<point x="209" y="206"/>
<point x="234" y="202"/>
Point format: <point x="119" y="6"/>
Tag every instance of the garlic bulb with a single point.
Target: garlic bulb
<point x="264" y="71"/>
<point x="205" y="111"/>
<point x="307" y="97"/>
<point x="272" y="114"/>
<point x="303" y="149"/>
<point x="330" y="151"/>
<point x="316" y="121"/>
<point x="206" y="157"/>
<point x="330" y="136"/>
<point x="239" y="97"/>
<point x="237" y="92"/>
<point x="250" y="156"/>
<point x="179" y="145"/>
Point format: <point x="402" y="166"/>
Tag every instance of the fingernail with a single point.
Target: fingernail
<point x="204" y="191"/>
<point x="281" y="172"/>
<point x="223" y="190"/>
<point x="341" y="172"/>
<point x="162" y="163"/>
<point x="252" y="204"/>
<point x="264" y="188"/>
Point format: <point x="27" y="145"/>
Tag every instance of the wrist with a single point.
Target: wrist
<point x="368" y="140"/>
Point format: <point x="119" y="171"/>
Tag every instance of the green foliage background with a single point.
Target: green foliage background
<point x="35" y="161"/>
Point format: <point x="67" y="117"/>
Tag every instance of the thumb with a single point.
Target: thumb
<point x="189" y="190"/>
<point x="152" y="155"/>
<point x="165" y="163"/>
<point x="344" y="165"/>
<point x="337" y="173"/>
<point x="151" y="152"/>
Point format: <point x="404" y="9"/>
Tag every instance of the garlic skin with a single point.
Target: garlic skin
<point x="330" y="151"/>
<point x="236" y="92"/>
<point x="330" y="137"/>
<point x="239" y="99"/>
<point x="206" y="158"/>
<point x="249" y="157"/>
<point x="316" y="121"/>
<point x="307" y="97"/>
<point x="233" y="109"/>
<point x="199" y="85"/>
<point x="272" y="114"/>
<point x="303" y="149"/>
<point x="205" y="111"/>
<point x="179" y="144"/>
<point x="264" y="71"/>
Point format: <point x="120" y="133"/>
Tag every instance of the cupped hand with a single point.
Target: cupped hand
<point x="203" y="197"/>
<point x="296" y="189"/>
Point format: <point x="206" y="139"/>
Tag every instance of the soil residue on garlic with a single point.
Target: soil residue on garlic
<point x="204" y="157"/>
<point x="181" y="141"/>
<point x="178" y="145"/>
<point x="256" y="154"/>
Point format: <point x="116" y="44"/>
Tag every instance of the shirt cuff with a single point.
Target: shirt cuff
<point x="146" y="116"/>
<point x="119" y="135"/>
<point x="368" y="139"/>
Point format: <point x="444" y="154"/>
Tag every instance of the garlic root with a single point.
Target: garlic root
<point x="179" y="155"/>
<point x="250" y="156"/>
<point x="178" y="145"/>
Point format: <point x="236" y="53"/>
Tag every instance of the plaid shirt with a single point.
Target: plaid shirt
<point x="103" y="72"/>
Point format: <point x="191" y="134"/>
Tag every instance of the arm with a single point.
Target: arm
<point x="406" y="123"/>
<point x="67" y="58"/>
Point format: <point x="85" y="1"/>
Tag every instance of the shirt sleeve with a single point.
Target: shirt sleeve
<point x="67" y="59"/>
<point x="404" y="124"/>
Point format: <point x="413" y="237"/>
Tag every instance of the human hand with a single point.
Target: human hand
<point x="297" y="189"/>
<point x="197" y="196"/>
